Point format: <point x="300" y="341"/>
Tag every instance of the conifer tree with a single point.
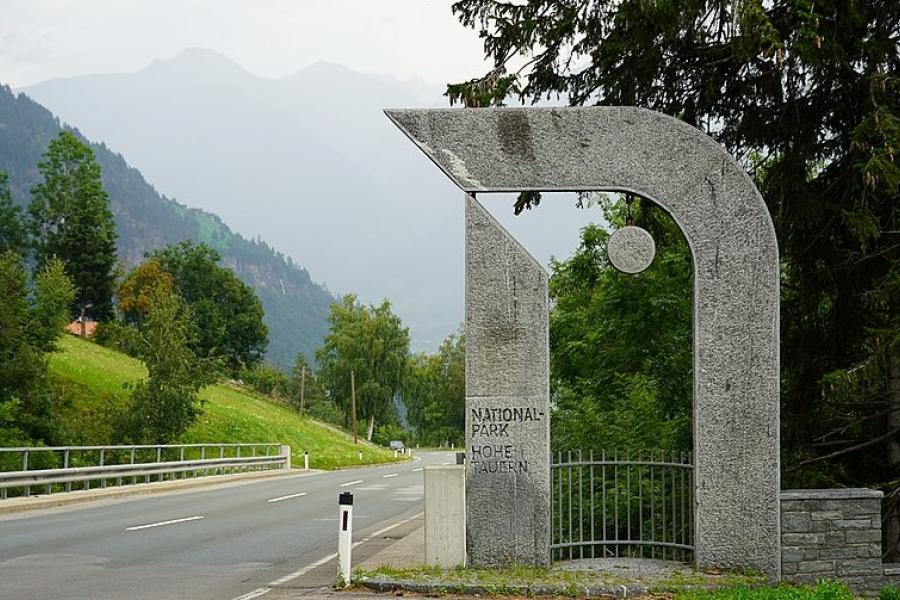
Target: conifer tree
<point x="12" y="229"/>
<point x="69" y="218"/>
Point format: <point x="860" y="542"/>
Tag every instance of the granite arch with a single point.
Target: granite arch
<point x="736" y="279"/>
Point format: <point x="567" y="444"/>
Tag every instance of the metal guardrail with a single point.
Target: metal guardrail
<point x="121" y="465"/>
<point x="612" y="506"/>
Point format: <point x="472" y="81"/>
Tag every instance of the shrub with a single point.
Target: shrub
<point x="890" y="593"/>
<point x="118" y="336"/>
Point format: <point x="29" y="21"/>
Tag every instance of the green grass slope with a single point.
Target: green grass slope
<point x="93" y="384"/>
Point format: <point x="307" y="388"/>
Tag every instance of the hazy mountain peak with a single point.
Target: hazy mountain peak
<point x="323" y="67"/>
<point x="198" y="63"/>
<point x="329" y="74"/>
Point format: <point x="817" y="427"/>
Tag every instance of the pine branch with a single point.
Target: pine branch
<point x="822" y="438"/>
<point x="857" y="447"/>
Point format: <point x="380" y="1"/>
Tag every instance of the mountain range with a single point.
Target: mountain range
<point x="308" y="162"/>
<point x="295" y="306"/>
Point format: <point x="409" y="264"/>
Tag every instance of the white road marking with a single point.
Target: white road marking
<point x="161" y="523"/>
<point x="351" y="483"/>
<point x="288" y="497"/>
<point x="419" y="469"/>
<point x="260" y="591"/>
<point x="390" y="475"/>
<point x="254" y="594"/>
<point x="446" y="463"/>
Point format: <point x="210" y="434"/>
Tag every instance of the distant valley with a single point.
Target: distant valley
<point x="295" y="306"/>
<point x="308" y="163"/>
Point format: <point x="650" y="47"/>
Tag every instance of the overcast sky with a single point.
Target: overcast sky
<point x="45" y="39"/>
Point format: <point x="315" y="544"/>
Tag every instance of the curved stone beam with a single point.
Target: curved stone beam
<point x="736" y="282"/>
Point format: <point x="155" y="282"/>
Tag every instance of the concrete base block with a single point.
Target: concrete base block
<point x="445" y="516"/>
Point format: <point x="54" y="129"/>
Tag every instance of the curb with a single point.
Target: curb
<point x="61" y="499"/>
<point x="390" y="586"/>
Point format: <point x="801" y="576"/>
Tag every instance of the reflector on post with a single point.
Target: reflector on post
<point x="345" y="537"/>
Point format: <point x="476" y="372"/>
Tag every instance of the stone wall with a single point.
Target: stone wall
<point x="834" y="534"/>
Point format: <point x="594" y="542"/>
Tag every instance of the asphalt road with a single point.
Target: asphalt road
<point x="218" y="543"/>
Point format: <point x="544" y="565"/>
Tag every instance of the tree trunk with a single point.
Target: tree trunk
<point x="302" y="386"/>
<point x="892" y="516"/>
<point x="371" y="428"/>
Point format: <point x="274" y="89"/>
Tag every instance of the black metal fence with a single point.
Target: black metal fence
<point x="614" y="506"/>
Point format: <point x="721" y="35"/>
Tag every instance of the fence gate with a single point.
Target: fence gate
<point x="607" y="506"/>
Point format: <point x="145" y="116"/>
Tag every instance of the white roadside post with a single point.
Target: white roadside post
<point x="305" y="460"/>
<point x="345" y="537"/>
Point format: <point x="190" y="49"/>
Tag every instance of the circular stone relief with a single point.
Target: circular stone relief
<point x="631" y="249"/>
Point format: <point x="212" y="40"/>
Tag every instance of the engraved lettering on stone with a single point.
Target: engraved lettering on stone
<point x="495" y="422"/>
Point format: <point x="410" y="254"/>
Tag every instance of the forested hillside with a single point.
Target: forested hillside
<point x="295" y="306"/>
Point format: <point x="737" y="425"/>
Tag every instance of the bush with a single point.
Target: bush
<point x="391" y="431"/>
<point x="118" y="336"/>
<point x="890" y="593"/>
<point x="325" y="410"/>
<point x="166" y="403"/>
<point x="824" y="590"/>
<point x="268" y="381"/>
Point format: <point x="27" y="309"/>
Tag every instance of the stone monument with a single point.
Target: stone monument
<point x="507" y="398"/>
<point x="736" y="335"/>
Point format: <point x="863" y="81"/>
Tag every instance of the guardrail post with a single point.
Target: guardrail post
<point x="102" y="458"/>
<point x="159" y="459"/>
<point x="66" y="466"/>
<point x="286" y="453"/>
<point x="25" y="468"/>
<point x="345" y="537"/>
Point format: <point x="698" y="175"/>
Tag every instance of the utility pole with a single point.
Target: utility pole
<point x="302" y="384"/>
<point x="82" y="319"/>
<point x="353" y="403"/>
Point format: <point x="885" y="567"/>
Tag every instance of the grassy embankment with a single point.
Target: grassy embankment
<point x="93" y="379"/>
